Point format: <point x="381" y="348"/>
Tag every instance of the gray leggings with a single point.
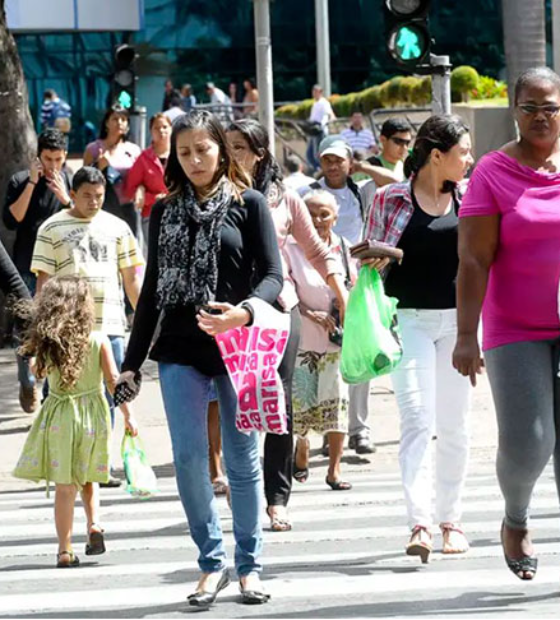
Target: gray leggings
<point x="526" y="395"/>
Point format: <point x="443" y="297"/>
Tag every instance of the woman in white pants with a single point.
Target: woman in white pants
<point x="420" y="217"/>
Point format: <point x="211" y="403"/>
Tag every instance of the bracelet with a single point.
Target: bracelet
<point x="31" y="182"/>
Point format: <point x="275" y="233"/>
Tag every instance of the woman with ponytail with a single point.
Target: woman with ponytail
<point x="420" y="216"/>
<point x="249" y="141"/>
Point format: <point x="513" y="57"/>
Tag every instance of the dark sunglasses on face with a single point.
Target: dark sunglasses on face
<point x="401" y="141"/>
<point x="550" y="110"/>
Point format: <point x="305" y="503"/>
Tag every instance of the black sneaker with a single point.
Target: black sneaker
<point x="112" y="483"/>
<point x="361" y="444"/>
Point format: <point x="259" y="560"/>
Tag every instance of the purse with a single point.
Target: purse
<point x="376" y="249"/>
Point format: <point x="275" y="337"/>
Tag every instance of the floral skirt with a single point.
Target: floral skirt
<point x="320" y="396"/>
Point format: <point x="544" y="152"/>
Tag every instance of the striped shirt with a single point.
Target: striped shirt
<point x="362" y="140"/>
<point x="96" y="249"/>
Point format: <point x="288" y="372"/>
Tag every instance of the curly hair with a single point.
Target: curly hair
<point x="59" y="322"/>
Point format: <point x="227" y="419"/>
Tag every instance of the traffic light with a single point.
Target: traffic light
<point x="407" y="30"/>
<point x="124" y="77"/>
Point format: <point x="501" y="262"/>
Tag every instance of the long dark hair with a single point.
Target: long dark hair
<point x="175" y="177"/>
<point x="115" y="109"/>
<point x="267" y="170"/>
<point x="440" y="132"/>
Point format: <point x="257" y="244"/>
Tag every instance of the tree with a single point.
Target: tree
<point x="17" y="136"/>
<point x="524" y="37"/>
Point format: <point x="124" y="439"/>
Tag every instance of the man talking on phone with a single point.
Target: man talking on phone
<point x="32" y="197"/>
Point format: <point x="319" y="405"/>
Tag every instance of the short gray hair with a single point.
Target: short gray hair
<point x="323" y="195"/>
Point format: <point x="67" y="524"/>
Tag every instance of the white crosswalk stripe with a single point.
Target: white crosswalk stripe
<point x="343" y="546"/>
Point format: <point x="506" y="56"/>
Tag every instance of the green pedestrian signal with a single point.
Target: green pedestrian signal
<point x="410" y="43"/>
<point x="125" y="100"/>
<point x="407" y="30"/>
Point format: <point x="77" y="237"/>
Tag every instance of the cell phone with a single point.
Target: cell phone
<point x="211" y="310"/>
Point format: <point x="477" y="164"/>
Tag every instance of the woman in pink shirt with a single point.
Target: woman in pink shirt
<point x="249" y="141"/>
<point x="509" y="247"/>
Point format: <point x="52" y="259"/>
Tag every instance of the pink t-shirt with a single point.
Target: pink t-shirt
<point x="521" y="298"/>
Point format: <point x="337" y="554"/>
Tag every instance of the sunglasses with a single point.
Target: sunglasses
<point x="550" y="110"/>
<point x="401" y="141"/>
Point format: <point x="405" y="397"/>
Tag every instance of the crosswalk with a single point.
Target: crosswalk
<point x="344" y="557"/>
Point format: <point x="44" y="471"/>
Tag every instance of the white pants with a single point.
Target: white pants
<point x="433" y="398"/>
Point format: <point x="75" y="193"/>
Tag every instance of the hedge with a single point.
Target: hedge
<point x="402" y="91"/>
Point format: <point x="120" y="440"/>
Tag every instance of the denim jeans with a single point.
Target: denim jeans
<point x="117" y="345"/>
<point x="185" y="396"/>
<point x="25" y="376"/>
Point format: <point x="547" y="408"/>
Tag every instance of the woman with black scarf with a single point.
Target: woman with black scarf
<point x="212" y="245"/>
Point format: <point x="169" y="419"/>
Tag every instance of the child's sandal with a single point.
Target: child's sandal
<point x="71" y="562"/>
<point x="96" y="542"/>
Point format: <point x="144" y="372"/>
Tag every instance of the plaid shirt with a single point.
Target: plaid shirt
<point x="392" y="209"/>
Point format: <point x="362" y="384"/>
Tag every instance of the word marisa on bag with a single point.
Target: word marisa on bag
<point x="252" y="356"/>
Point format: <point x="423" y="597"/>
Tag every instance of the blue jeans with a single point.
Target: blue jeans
<point x="25" y="376"/>
<point x="117" y="344"/>
<point x="185" y="396"/>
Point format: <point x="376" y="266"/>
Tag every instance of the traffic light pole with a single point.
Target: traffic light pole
<point x="264" y="67"/>
<point x="323" y="46"/>
<point x="440" y="68"/>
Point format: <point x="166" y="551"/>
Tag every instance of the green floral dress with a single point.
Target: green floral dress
<point x="69" y="440"/>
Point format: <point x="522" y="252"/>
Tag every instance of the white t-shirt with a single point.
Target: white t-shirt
<point x="349" y="224"/>
<point x="174" y="113"/>
<point x="218" y="96"/>
<point x="321" y="111"/>
<point x="296" y="180"/>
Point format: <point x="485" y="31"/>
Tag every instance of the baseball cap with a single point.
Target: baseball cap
<point x="334" y="145"/>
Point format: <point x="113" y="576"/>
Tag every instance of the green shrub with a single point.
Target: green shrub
<point x="463" y="81"/>
<point x="370" y="99"/>
<point x="489" y="88"/>
<point x="394" y="91"/>
<point x="407" y="86"/>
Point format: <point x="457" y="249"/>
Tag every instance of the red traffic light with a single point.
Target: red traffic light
<point x="125" y="55"/>
<point x="408" y="8"/>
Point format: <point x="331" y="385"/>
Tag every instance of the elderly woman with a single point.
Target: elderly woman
<point x="320" y="397"/>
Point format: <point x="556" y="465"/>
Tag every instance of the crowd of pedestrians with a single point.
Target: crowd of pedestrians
<point x="231" y="243"/>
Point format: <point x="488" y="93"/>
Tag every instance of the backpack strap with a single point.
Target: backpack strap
<point x="356" y="191"/>
<point x="347" y="279"/>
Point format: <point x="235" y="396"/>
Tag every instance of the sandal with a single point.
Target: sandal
<point x="338" y="485"/>
<point x="96" y="542"/>
<point x="524" y="568"/>
<point x="73" y="560"/>
<point x="278" y="524"/>
<point x="454" y="539"/>
<point x="220" y="486"/>
<point x="420" y="543"/>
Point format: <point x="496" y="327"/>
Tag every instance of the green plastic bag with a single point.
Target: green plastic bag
<point x="140" y="478"/>
<point x="371" y="345"/>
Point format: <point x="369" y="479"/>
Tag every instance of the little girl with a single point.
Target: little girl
<point x="68" y="443"/>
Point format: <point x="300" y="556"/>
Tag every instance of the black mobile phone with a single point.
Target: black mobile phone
<point x="211" y="310"/>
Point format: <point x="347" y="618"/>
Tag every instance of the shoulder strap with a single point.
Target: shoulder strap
<point x="356" y="191"/>
<point x="315" y="185"/>
<point x="348" y="279"/>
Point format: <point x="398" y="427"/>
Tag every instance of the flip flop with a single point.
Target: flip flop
<point x="74" y="560"/>
<point x="279" y="524"/>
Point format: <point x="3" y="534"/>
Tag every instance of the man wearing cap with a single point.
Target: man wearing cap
<point x="336" y="160"/>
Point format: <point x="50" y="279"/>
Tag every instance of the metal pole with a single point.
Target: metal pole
<point x="323" y="46"/>
<point x="441" y="84"/>
<point x="138" y="126"/>
<point x="556" y="35"/>
<point x="264" y="67"/>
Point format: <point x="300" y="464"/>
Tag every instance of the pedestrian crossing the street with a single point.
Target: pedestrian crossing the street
<point x="343" y="558"/>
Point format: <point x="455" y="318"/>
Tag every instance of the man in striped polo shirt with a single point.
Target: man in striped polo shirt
<point x="86" y="241"/>
<point x="357" y="136"/>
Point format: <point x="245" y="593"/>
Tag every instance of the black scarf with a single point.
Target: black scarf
<point x="189" y="248"/>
